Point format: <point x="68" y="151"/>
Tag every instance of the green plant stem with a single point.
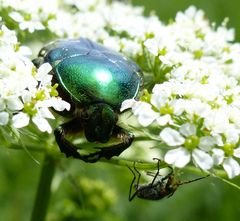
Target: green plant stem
<point x="140" y="165"/>
<point x="44" y="188"/>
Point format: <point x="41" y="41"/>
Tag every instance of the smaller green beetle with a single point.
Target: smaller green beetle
<point x="95" y="81"/>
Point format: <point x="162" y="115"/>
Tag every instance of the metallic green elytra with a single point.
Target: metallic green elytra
<point x="91" y="73"/>
<point x="95" y="81"/>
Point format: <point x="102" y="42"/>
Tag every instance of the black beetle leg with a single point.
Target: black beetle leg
<point x="114" y="150"/>
<point x="157" y="174"/>
<point x="104" y="152"/>
<point x="132" y="196"/>
<point x="65" y="146"/>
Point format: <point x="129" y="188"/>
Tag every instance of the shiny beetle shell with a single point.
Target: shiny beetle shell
<point x="91" y="73"/>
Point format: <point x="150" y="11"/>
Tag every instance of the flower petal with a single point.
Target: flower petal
<point x="202" y="159"/>
<point x="16" y="16"/>
<point x="206" y="143"/>
<point x="171" y="137"/>
<point x="2" y="105"/>
<point x="43" y="71"/>
<point x="163" y="120"/>
<point x="218" y="156"/>
<point x="42" y="124"/>
<point x="14" y="103"/>
<point x="146" y="118"/>
<point x="146" y="115"/>
<point x="4" y="116"/>
<point x="60" y="105"/>
<point x="127" y="104"/>
<point x="188" y="129"/>
<point x="45" y="113"/>
<point x="237" y="152"/>
<point x="178" y="157"/>
<point x="232" y="167"/>
<point x="20" y="120"/>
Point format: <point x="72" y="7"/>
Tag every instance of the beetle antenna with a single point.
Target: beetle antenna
<point x="190" y="181"/>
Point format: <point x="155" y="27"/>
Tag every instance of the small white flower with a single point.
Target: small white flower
<point x="7" y="36"/>
<point x="130" y="47"/>
<point x="146" y="115"/>
<point x="57" y="103"/>
<point x="230" y="165"/>
<point x="60" y="105"/>
<point x="161" y="94"/>
<point x="31" y="24"/>
<point x="181" y="156"/>
<point x="152" y="46"/>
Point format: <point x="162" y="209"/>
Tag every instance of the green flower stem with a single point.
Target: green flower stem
<point x="32" y="148"/>
<point x="140" y="165"/>
<point x="44" y="188"/>
<point x="198" y="171"/>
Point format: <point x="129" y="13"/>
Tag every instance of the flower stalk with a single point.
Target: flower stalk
<point x="43" y="194"/>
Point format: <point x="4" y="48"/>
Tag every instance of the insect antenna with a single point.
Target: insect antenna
<point x="190" y="181"/>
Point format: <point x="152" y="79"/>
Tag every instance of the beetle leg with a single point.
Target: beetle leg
<point x="106" y="152"/>
<point x="157" y="173"/>
<point x="132" y="196"/>
<point x="65" y="146"/>
<point x="114" y="150"/>
<point x="139" y="175"/>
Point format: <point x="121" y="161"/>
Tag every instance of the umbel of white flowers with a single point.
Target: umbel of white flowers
<point x="25" y="93"/>
<point x="195" y="104"/>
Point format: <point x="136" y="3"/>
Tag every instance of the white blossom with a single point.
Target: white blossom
<point x="181" y="156"/>
<point x="25" y="94"/>
<point x="31" y="24"/>
<point x="193" y="67"/>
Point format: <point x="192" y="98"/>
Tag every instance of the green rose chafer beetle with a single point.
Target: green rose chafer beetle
<point x="95" y="81"/>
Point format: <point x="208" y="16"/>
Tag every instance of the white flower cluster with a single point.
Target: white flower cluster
<point x="25" y="93"/>
<point x="30" y="15"/>
<point x="196" y="104"/>
<point x="117" y="25"/>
